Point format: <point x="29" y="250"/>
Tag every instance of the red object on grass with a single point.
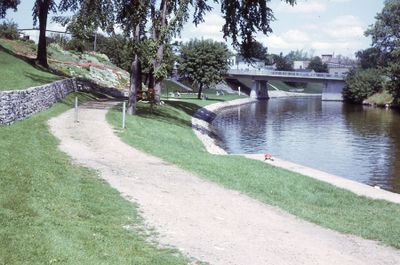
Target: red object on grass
<point x="267" y="157"/>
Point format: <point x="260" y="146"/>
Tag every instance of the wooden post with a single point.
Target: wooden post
<point x="76" y="109"/>
<point x="123" y="114"/>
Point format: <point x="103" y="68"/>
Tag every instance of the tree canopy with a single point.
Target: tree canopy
<point x="385" y="32"/>
<point x="369" y="58"/>
<point x="362" y="84"/>
<point x="41" y="9"/>
<point x="257" y="51"/>
<point x="385" y="35"/>
<point x="203" y="62"/>
<point x="317" y="65"/>
<point x="282" y="63"/>
<point x="8" y="4"/>
<point x="155" y="23"/>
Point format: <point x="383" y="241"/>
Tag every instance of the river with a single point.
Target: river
<point x="356" y="142"/>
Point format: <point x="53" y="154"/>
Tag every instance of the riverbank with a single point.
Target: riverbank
<point x="167" y="133"/>
<point x="55" y="212"/>
<point x="204" y="130"/>
<point x="199" y="217"/>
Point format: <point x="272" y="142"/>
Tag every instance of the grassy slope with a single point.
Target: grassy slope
<point x="312" y="88"/>
<point x="54" y="212"/>
<point x="17" y="74"/>
<point x="309" y="88"/>
<point x="167" y="133"/>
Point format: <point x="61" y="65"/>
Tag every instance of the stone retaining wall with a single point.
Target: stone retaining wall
<point x="19" y="104"/>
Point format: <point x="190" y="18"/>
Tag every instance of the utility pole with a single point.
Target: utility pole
<point x="95" y="42"/>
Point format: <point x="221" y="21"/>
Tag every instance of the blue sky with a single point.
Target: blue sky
<point x="319" y="26"/>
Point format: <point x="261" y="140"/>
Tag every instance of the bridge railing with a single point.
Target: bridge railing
<point x="286" y="73"/>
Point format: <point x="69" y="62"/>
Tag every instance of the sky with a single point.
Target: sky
<point x="314" y="26"/>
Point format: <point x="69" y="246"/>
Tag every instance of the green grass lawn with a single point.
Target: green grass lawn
<point x="53" y="212"/>
<point x="167" y="133"/>
<point x="18" y="74"/>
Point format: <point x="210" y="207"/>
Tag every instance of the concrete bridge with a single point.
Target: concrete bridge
<point x="332" y="89"/>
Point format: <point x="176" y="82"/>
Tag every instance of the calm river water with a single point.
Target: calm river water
<point x="356" y="142"/>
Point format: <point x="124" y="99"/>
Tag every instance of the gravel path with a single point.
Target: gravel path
<point x="200" y="218"/>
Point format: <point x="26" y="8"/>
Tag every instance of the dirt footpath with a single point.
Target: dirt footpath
<point x="200" y="218"/>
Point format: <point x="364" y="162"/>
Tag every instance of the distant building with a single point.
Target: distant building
<point x="326" y="58"/>
<point x="337" y="65"/>
<point x="300" y="65"/>
<point x="339" y="69"/>
<point x="237" y="62"/>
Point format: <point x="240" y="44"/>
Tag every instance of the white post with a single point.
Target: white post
<point x="123" y="114"/>
<point x="76" y="109"/>
<point x="95" y="42"/>
<point x="239" y="90"/>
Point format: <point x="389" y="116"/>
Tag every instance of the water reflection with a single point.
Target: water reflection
<point x="356" y="142"/>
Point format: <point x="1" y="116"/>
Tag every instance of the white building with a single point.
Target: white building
<point x="236" y="62"/>
<point x="300" y="65"/>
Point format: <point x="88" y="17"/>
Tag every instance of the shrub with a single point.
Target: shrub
<point x="9" y="30"/>
<point x="76" y="45"/>
<point x="361" y="84"/>
<point x="58" y="39"/>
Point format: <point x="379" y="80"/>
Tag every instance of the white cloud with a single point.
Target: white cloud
<point x="346" y="48"/>
<point x="296" y="36"/>
<point x="340" y="1"/>
<point x="341" y="34"/>
<point x="303" y="6"/>
<point x="211" y="28"/>
<point x="292" y="40"/>
<point x="345" y="27"/>
<point x="275" y="41"/>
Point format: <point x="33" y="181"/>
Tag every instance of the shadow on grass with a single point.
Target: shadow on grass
<point x="210" y="98"/>
<point x="10" y="52"/>
<point x="32" y="62"/>
<point x="82" y="97"/>
<point x="170" y="115"/>
<point x="42" y="79"/>
<point x="187" y="107"/>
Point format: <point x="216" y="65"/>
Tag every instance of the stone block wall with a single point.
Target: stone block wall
<point x="19" y="104"/>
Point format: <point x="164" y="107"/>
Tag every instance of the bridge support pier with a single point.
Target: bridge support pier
<point x="332" y="91"/>
<point x="259" y="89"/>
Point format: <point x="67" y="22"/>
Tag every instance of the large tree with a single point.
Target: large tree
<point x="203" y="62"/>
<point x="8" y="4"/>
<point x="257" y="51"/>
<point x="361" y="84"/>
<point x="41" y="9"/>
<point x="385" y="35"/>
<point x="317" y="65"/>
<point x="369" y="58"/>
<point x="158" y="21"/>
<point x="282" y="63"/>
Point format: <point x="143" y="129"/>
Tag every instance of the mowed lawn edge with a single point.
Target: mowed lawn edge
<point x="54" y="212"/>
<point x="17" y="74"/>
<point x="166" y="132"/>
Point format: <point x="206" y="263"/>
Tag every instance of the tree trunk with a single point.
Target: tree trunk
<point x="200" y="90"/>
<point x="42" y="46"/>
<point x="158" y="36"/>
<point x="136" y="76"/>
<point x="135" y="84"/>
<point x="151" y="81"/>
<point x="157" y="81"/>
